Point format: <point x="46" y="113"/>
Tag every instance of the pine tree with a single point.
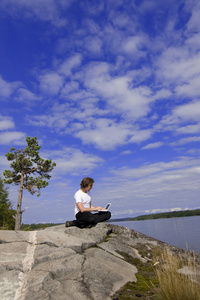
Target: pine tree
<point x="30" y="172"/>
<point x="6" y="212"/>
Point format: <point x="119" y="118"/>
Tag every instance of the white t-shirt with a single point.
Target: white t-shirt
<point x="85" y="198"/>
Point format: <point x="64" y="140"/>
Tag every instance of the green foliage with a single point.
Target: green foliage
<point x="29" y="171"/>
<point x="27" y="163"/>
<point x="6" y="212"/>
<point x="146" y="283"/>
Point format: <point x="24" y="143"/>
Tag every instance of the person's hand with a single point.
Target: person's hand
<point x="98" y="208"/>
<point x="103" y="208"/>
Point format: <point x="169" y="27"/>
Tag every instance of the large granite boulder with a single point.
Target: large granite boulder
<point x="60" y="263"/>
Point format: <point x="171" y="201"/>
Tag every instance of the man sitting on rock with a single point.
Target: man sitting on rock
<point x="84" y="207"/>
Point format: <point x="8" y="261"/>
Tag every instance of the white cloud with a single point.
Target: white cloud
<point x="16" y="91"/>
<point x="51" y="83"/>
<point x="193" y="41"/>
<point x="57" y="120"/>
<point x="179" y="65"/>
<point x="155" y="186"/>
<point x="156" y="168"/>
<point x="84" y="118"/>
<point x="70" y="87"/>
<point x="162" y="94"/>
<point x="93" y="45"/>
<point x="122" y="20"/>
<point x="189" y="112"/>
<point x="105" y="134"/>
<point x="155" y="211"/>
<point x="117" y="91"/>
<point x="191" y="88"/>
<point x="74" y="161"/>
<point x="7" y="88"/>
<point x="132" y="44"/>
<point x="92" y="26"/>
<point x="71" y="115"/>
<point x="187" y="140"/>
<point x="44" y="10"/>
<point x="6" y="123"/>
<point x="69" y="64"/>
<point x="153" y="145"/>
<point x="194" y="23"/>
<point x="189" y="129"/>
<point x="126" y="152"/>
<point x="11" y="137"/>
<point x="140" y="135"/>
<point x="26" y="96"/>
<point x="4" y="163"/>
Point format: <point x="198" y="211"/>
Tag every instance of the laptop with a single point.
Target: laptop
<point x="107" y="208"/>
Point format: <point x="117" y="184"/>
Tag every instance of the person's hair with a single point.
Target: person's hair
<point x="86" y="181"/>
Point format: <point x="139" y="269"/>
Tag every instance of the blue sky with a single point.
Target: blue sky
<point x="111" y="89"/>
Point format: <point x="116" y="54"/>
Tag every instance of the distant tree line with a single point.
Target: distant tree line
<point x="173" y="214"/>
<point x="27" y="227"/>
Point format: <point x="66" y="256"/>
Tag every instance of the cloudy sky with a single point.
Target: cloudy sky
<point x="111" y="89"/>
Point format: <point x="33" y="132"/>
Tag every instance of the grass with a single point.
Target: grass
<point x="160" y="279"/>
<point x="173" y="284"/>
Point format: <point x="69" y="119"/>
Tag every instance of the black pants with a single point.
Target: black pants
<point x="83" y="219"/>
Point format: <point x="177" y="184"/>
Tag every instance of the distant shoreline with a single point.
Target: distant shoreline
<point x="165" y="215"/>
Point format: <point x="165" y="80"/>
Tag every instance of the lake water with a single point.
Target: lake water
<point x="180" y="232"/>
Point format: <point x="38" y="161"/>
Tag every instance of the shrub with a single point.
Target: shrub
<point x="174" y="284"/>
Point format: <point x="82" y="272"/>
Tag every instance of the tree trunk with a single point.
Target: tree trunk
<point x="18" y="219"/>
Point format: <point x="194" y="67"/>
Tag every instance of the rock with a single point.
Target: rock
<point x="60" y="263"/>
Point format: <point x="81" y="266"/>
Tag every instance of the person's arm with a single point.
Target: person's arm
<point x="95" y="208"/>
<point x="91" y="208"/>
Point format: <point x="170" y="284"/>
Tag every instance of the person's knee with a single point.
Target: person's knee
<point x="108" y="215"/>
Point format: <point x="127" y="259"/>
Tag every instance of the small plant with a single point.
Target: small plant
<point x="146" y="283"/>
<point x="172" y="283"/>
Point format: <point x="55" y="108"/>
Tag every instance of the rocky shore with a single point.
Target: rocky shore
<point x="60" y="263"/>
